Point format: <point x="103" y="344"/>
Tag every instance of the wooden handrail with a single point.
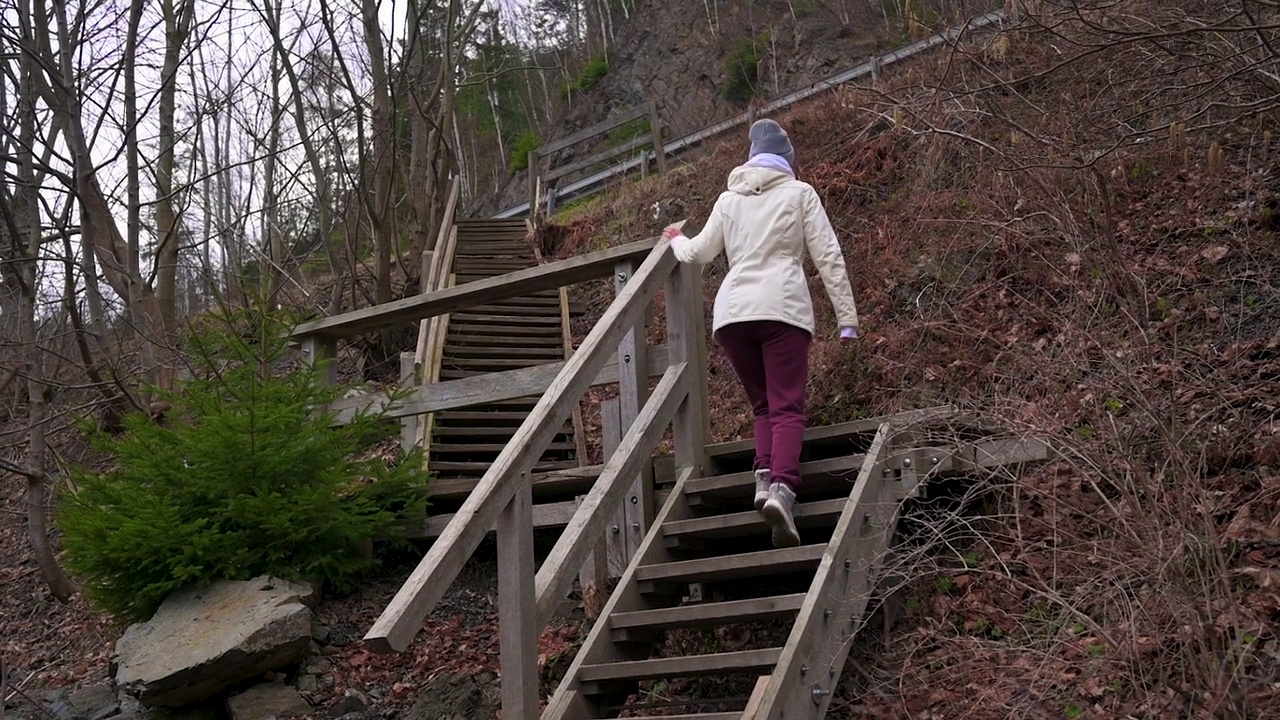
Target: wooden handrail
<point x="435" y="275"/>
<point x="489" y="501"/>
<point x="478" y="390"/>
<point x="605" y="126"/>
<point x="581" y="268"/>
<point x="607" y="494"/>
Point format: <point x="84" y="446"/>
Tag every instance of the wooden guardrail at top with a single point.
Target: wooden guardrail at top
<point x="542" y="181"/>
<point x="503" y="496"/>
<point x="869" y="68"/>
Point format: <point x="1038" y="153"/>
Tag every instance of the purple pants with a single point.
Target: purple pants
<point x="771" y="360"/>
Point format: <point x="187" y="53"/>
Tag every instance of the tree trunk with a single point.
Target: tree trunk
<point x="25" y="219"/>
<point x="177" y="23"/>
<point x="381" y="212"/>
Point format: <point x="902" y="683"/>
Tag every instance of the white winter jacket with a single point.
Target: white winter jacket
<point x="764" y="223"/>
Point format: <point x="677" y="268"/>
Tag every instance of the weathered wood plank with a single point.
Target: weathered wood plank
<point x="567" y="703"/>
<point x="545" y="515"/>
<point x="686" y="666"/>
<point x="713" y="613"/>
<point x="401" y="619"/>
<point x="829" y="432"/>
<point x="517" y="634"/>
<point x="655" y="130"/>
<point x="546" y="277"/>
<point x="558" y="481"/>
<point x="807" y="515"/>
<point x="609" y="491"/>
<point x="480" y="390"/>
<point x="633" y="390"/>
<point x="815" y="651"/>
<point x="731" y="567"/>
<point x="687" y="343"/>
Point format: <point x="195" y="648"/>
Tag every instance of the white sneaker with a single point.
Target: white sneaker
<point x="762" y="488"/>
<point x="778" y="513"/>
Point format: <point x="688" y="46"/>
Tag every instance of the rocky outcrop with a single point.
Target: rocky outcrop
<point x="206" y="640"/>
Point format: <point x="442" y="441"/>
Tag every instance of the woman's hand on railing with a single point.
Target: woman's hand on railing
<point x="672" y="232"/>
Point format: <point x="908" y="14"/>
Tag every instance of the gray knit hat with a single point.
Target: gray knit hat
<point x="768" y="136"/>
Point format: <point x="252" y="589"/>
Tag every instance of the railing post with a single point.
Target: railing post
<point x="687" y="342"/>
<point x="408" y="423"/>
<point x="316" y="349"/>
<point x="655" y="127"/>
<point x="533" y="183"/>
<point x="633" y="391"/>
<point x="517" y="605"/>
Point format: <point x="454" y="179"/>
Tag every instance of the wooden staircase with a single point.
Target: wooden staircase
<point x="708" y="565"/>
<point x="704" y="561"/>
<point x="506" y="334"/>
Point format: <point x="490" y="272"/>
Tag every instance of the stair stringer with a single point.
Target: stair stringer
<point x="813" y="658"/>
<point x="567" y="703"/>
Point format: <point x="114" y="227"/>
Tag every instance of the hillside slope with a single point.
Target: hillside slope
<point x="1074" y="251"/>
<point x="681" y="55"/>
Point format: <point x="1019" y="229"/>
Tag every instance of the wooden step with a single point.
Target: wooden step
<point x="698" y="716"/>
<point x="594" y="679"/>
<point x="485" y="416"/>
<point x="483" y="432"/>
<point x="550" y="313"/>
<point x="821" y="513"/>
<point x="456" y="341"/>
<point x="482" y="467"/>
<point x="822" y="476"/>
<point x="491" y="364"/>
<point x="492" y="270"/>
<point x="642" y="624"/>
<point x="732" y="567"/>
<point x="531" y="331"/>
<point x="460" y="447"/>
<point x="475" y="318"/>
<point x="537" y="355"/>
<point x="569" y="480"/>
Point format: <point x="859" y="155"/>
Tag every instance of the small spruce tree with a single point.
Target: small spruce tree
<point x="244" y="476"/>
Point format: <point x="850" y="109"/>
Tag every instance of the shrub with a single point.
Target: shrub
<point x="525" y="143"/>
<point x="244" y="477"/>
<point x="741" y="72"/>
<point x="593" y="73"/>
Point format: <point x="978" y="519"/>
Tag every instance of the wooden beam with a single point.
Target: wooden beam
<point x="687" y="343"/>
<point x="814" y="655"/>
<point x="590" y="132"/>
<point x="545" y="515"/>
<point x="590" y="266"/>
<point x="655" y="130"/>
<point x="828" y="432"/>
<point x="609" y="491"/>
<point x="479" y="390"/>
<point x="402" y="618"/>
<point x="615" y="544"/>
<point x="633" y="390"/>
<point x="318" y="350"/>
<point x="517" y="633"/>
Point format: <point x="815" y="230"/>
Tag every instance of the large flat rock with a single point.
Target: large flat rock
<point x="202" y="641"/>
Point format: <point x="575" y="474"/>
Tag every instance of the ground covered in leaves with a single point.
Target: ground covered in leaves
<point x="1074" y="251"/>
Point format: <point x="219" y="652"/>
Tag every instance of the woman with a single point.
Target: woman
<point x="763" y="316"/>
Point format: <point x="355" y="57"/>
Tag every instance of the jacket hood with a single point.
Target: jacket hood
<point x="751" y="180"/>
